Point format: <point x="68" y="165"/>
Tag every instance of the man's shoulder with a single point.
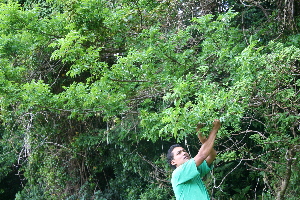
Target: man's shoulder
<point x="188" y="165"/>
<point x="185" y="172"/>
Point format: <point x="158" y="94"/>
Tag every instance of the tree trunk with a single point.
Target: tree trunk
<point x="286" y="179"/>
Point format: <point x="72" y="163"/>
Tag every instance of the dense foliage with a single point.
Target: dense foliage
<point x="94" y="92"/>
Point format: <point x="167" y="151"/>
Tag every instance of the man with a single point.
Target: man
<point x="186" y="178"/>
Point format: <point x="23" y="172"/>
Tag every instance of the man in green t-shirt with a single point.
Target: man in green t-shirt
<point x="186" y="178"/>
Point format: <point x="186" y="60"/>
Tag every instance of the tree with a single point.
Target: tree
<point x="94" y="92"/>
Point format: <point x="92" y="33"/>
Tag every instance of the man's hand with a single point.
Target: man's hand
<point x="200" y="136"/>
<point x="207" y="152"/>
<point x="200" y="125"/>
<point x="216" y="124"/>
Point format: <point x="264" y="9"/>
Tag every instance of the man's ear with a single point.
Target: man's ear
<point x="173" y="163"/>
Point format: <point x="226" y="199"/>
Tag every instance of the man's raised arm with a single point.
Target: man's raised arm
<point x="206" y="152"/>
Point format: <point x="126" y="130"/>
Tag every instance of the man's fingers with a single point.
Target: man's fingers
<point x="217" y="123"/>
<point x="200" y="125"/>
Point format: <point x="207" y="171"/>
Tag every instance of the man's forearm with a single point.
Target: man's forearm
<point x="211" y="157"/>
<point x="207" y="147"/>
<point x="207" y="150"/>
<point x="203" y="139"/>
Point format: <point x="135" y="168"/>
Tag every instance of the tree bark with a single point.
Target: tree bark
<point x="286" y="179"/>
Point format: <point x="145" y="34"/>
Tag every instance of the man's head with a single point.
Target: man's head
<point x="177" y="155"/>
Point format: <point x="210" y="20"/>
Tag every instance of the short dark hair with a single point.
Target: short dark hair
<point x="170" y="155"/>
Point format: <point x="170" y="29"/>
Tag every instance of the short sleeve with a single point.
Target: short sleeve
<point x="203" y="169"/>
<point x="185" y="172"/>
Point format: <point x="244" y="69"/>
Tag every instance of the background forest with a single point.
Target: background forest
<point x="93" y="93"/>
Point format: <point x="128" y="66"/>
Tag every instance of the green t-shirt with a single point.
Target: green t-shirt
<point x="187" y="183"/>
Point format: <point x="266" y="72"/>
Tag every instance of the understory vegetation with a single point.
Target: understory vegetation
<point x="94" y="92"/>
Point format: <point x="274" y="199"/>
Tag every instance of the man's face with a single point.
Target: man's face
<point x="180" y="156"/>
